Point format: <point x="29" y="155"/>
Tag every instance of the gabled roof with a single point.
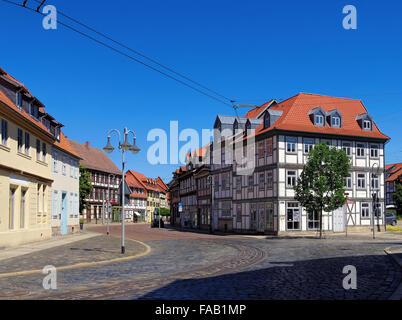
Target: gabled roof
<point x="146" y="181"/>
<point x="258" y="111"/>
<point x="94" y="158"/>
<point x="394" y="171"/>
<point x="133" y="181"/>
<point x="296" y="109"/>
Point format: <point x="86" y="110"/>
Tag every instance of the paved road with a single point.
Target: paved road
<point x="186" y="265"/>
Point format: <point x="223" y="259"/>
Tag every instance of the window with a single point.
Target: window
<point x="365" y="212"/>
<point x="27" y="143"/>
<point x="377" y="210"/>
<point x="270" y="216"/>
<point x="375" y="182"/>
<point x="366" y="125"/>
<point x="19" y="100"/>
<point x="360" y="150"/>
<point x="261" y="149"/>
<point x="71" y="205"/>
<point x="291" y="144"/>
<point x="349" y="181"/>
<point x="319" y="120"/>
<point x="253" y="216"/>
<point x="33" y="110"/>
<point x="55" y="214"/>
<point x="23" y="208"/>
<point x="291" y="178"/>
<point x="4" y="132"/>
<point x="308" y="145"/>
<point x="238" y="213"/>
<point x="63" y="165"/>
<point x="347" y="147"/>
<point x="250" y="182"/>
<point x="269" y="147"/>
<point x="336" y="122"/>
<point x="19" y="140"/>
<point x="226" y="208"/>
<point x="269" y="179"/>
<point x="374" y="151"/>
<point x="261" y="181"/>
<point x="224" y="181"/>
<point x="44" y="208"/>
<point x="293" y="216"/>
<point x="37" y="149"/>
<point x="361" y="180"/>
<point x="44" y="152"/>
<point x="238" y="184"/>
<point x="313" y="221"/>
<point x="216" y="182"/>
<point x="71" y="168"/>
<point x="55" y="160"/>
<point x="11" y="209"/>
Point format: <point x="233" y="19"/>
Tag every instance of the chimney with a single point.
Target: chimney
<point x="87" y="144"/>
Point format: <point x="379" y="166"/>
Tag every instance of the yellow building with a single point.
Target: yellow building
<point x="27" y="134"/>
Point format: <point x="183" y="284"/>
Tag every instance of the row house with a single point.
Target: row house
<point x="27" y="134"/>
<point x="163" y="194"/>
<point x="264" y="200"/>
<point x="393" y="177"/>
<point x="136" y="208"/>
<point x="105" y="179"/>
<point x="255" y="162"/>
<point x="174" y="191"/>
<point x="153" y="191"/>
<point x="65" y="187"/>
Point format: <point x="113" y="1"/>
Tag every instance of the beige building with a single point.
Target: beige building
<point x="27" y="134"/>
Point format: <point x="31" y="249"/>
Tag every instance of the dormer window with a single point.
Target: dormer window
<point x="336" y="122"/>
<point x="19" y="100"/>
<point x="366" y="125"/>
<point x="319" y="120"/>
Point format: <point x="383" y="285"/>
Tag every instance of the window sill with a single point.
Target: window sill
<point x="5" y="148"/>
<point x="42" y="163"/>
<point x="24" y="155"/>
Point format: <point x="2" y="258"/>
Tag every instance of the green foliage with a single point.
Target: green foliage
<point x="397" y="196"/>
<point x="165" y="212"/>
<point x="85" y="186"/>
<point x="321" y="185"/>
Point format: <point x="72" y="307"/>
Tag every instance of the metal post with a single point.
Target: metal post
<point x="123" y="249"/>
<point x="211" y="223"/>
<point x="103" y="207"/>
<point x="159" y="216"/>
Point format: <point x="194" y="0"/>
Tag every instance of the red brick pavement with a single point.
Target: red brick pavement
<point x="143" y="232"/>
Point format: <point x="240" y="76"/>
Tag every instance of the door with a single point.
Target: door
<point x="338" y="219"/>
<point x="63" y="221"/>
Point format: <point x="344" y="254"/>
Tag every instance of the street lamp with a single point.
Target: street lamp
<point x="124" y="145"/>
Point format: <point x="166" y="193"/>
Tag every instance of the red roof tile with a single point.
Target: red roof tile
<point x="395" y="173"/>
<point x="65" y="145"/>
<point x="295" y="116"/>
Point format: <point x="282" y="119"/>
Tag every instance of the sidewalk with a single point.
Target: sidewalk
<point x="396" y="253"/>
<point x="55" y="241"/>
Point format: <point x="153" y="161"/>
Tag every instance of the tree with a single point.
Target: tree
<point x="321" y="185"/>
<point x="397" y="196"/>
<point x="85" y="186"/>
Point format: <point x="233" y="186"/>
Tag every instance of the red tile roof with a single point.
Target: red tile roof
<point x="22" y="113"/>
<point x="94" y="158"/>
<point x="254" y="113"/>
<point x="295" y="116"/>
<point x="395" y="171"/>
<point x="146" y="181"/>
<point x="133" y="181"/>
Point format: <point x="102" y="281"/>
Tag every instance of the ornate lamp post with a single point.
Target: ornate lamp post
<point x="124" y="146"/>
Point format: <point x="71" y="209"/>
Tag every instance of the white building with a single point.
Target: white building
<point x="65" y="187"/>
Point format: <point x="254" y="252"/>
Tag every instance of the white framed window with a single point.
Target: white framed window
<point x="367" y="125"/>
<point x="55" y="209"/>
<point x="336" y="122"/>
<point x="308" y="145"/>
<point x="360" y="150"/>
<point x="55" y="161"/>
<point x="270" y="179"/>
<point x="319" y="120"/>
<point x="291" y="176"/>
<point x="19" y="100"/>
<point x="293" y="216"/>
<point x="375" y="182"/>
<point x="374" y="151"/>
<point x="349" y="181"/>
<point x="291" y="144"/>
<point x="261" y="182"/>
<point x="347" y="147"/>
<point x="361" y="180"/>
<point x="365" y="210"/>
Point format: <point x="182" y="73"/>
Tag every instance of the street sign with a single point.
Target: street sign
<point x="180" y="207"/>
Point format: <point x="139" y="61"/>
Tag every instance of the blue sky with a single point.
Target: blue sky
<point x="250" y="51"/>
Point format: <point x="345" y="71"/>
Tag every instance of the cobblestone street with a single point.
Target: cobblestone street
<point x="186" y="265"/>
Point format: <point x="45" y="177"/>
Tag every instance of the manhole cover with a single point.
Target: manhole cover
<point x="14" y="294"/>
